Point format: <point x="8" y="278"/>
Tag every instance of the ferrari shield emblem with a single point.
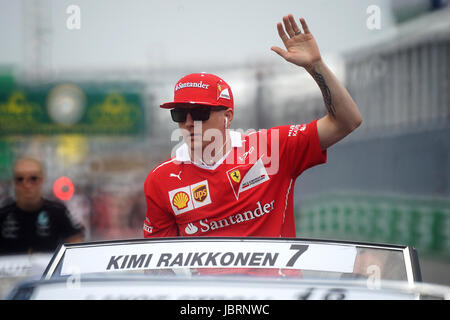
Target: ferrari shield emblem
<point x="246" y="177"/>
<point x="236" y="176"/>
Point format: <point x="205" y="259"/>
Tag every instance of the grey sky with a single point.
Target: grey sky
<point x="138" y="33"/>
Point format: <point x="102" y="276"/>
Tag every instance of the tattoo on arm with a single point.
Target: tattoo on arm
<point x="325" y="93"/>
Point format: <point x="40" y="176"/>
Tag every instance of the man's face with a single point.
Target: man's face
<point x="199" y="134"/>
<point x="28" y="180"/>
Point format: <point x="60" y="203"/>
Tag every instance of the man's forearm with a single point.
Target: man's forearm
<point x="338" y="102"/>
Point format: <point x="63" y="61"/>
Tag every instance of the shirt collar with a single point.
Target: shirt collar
<point x="182" y="153"/>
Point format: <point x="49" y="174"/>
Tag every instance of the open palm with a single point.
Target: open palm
<point x="301" y="48"/>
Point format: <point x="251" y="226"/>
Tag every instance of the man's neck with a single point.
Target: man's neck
<point x="30" y="206"/>
<point x="211" y="154"/>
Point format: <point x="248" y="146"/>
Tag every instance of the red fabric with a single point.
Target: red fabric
<point x="253" y="197"/>
<point x="201" y="88"/>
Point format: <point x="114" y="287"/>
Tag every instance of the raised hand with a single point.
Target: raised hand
<point x="301" y="48"/>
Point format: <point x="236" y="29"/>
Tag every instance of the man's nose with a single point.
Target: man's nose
<point x="189" y="122"/>
<point x="29" y="183"/>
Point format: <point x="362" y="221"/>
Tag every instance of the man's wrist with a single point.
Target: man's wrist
<point x="318" y="71"/>
<point x="315" y="66"/>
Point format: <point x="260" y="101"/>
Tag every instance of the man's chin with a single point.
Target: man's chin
<point x="194" y="144"/>
<point x="29" y="199"/>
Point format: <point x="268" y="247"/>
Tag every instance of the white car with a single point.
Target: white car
<point x="212" y="268"/>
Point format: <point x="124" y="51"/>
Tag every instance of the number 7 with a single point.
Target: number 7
<point x="300" y="250"/>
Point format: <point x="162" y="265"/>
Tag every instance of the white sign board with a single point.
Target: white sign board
<point x="209" y="254"/>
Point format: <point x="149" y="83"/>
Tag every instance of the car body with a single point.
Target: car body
<point x="214" y="268"/>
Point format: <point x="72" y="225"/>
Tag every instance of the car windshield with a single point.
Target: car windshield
<point x="270" y="258"/>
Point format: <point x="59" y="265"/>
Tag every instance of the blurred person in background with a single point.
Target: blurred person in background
<point x="32" y="223"/>
<point x="234" y="184"/>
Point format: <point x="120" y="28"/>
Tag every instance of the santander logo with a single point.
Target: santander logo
<point x="210" y="225"/>
<point x="191" y="229"/>
<point x="182" y="85"/>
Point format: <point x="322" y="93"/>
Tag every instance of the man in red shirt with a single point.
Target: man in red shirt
<point x="224" y="183"/>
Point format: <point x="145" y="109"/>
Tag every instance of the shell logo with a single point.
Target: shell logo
<point x="180" y="200"/>
<point x="190" y="197"/>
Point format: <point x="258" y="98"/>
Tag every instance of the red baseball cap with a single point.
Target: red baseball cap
<point x="201" y="88"/>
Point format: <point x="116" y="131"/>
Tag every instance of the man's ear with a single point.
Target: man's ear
<point x="228" y="117"/>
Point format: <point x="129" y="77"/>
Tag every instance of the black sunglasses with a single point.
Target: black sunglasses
<point x="197" y="113"/>
<point x="32" y="179"/>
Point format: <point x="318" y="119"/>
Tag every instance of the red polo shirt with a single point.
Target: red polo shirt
<point x="248" y="193"/>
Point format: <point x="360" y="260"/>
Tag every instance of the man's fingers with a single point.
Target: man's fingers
<point x="304" y="26"/>
<point x="294" y="25"/>
<point x="280" y="51"/>
<point x="281" y="32"/>
<point x="288" y="27"/>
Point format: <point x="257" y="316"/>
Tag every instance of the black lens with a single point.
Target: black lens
<point x="18" y="179"/>
<point x="200" y="114"/>
<point x="197" y="114"/>
<point x="178" y="114"/>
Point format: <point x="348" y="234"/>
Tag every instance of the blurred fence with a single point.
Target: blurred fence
<point x="404" y="81"/>
<point x="393" y="189"/>
<point x="422" y="223"/>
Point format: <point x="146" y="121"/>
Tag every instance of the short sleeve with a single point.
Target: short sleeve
<point x="300" y="147"/>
